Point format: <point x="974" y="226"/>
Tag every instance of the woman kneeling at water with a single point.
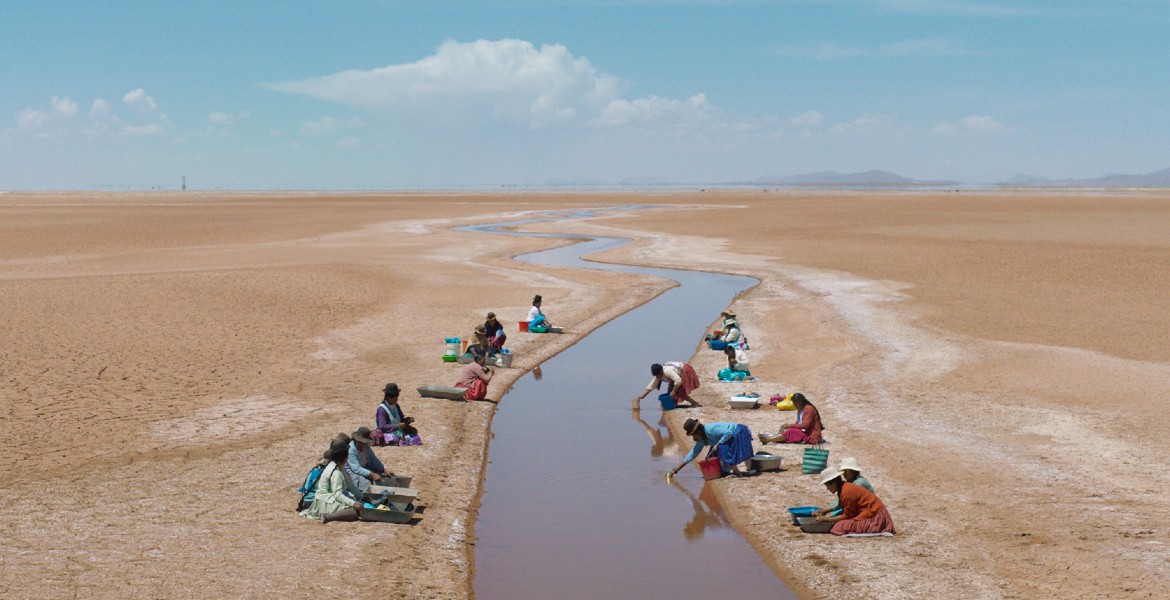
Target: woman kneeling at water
<point x="806" y="429"/>
<point x="336" y="497"/>
<point x="731" y="441"/>
<point x="861" y="511"/>
<point x="680" y="379"/>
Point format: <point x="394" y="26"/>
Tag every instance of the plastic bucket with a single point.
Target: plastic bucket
<point x="718" y="345"/>
<point x="710" y="468"/>
<point x="504" y="360"/>
<point x="666" y="401"/>
<point x="523" y="325"/>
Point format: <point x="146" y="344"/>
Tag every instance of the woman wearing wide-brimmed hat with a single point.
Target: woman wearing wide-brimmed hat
<point x="732" y="442"/>
<point x="680" y="379"/>
<point x="336" y="496"/>
<point x="363" y="466"/>
<point x="861" y="510"/>
<point x="850" y="472"/>
<point x="494" y="331"/>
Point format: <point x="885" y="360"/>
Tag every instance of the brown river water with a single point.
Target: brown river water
<point x="575" y="502"/>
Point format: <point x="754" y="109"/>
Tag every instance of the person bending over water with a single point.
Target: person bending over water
<point x="680" y="379"/>
<point x="732" y="442"/>
<point x="806" y="430"/>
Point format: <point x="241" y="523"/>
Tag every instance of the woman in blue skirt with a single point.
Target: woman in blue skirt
<point x="731" y="441"/>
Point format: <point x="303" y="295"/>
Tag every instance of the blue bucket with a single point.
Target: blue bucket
<point x="718" y="345"/>
<point x="802" y="511"/>
<point x="666" y="401"/>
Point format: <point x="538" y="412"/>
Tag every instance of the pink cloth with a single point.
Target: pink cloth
<point x="476" y="391"/>
<point x="795" y="435"/>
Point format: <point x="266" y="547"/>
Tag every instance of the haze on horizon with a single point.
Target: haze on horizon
<point x="384" y="94"/>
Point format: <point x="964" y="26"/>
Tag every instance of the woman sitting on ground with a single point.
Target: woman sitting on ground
<point x="475" y="377"/>
<point x="731" y="441"/>
<point x="737" y="365"/>
<point x="495" y="333"/>
<point x="680" y="379"/>
<point x="336" y="495"/>
<point x="536" y="317"/>
<point x="851" y="472"/>
<point x="806" y="430"/>
<point x="479" y="341"/>
<point x="732" y="334"/>
<point x="363" y="466"/>
<point x="393" y="427"/>
<point x="861" y="510"/>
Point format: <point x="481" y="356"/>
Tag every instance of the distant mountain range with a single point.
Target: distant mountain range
<point x="873" y="178"/>
<point x="1157" y="179"/>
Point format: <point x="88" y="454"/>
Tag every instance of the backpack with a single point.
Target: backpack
<point x="308" y="491"/>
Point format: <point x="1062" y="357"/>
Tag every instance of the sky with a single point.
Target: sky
<point x="435" y="94"/>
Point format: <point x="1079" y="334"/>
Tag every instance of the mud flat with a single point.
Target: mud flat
<point x="997" y="364"/>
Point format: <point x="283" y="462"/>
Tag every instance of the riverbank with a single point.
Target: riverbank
<point x="183" y="360"/>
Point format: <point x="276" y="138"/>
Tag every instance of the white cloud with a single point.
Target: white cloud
<point x="138" y="99"/>
<point x="507" y="80"/>
<point x="864" y="124"/>
<point x="809" y="119"/>
<point x="326" y="125"/>
<point x="64" y="107"/>
<point x="982" y="123"/>
<point x="943" y="128"/>
<point x="222" y="118"/>
<point x="99" y="107"/>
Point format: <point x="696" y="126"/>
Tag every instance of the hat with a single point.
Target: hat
<point x="536" y="299"/>
<point x="729" y="312"/>
<point x="337" y="446"/>
<point x="850" y="464"/>
<point x="363" y="435"/>
<point x="391" y="389"/>
<point x="491" y="315"/>
<point x="829" y="474"/>
<point x="689" y="426"/>
<point x="480" y="329"/>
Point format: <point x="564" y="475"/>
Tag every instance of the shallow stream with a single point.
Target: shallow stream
<point x="575" y="502"/>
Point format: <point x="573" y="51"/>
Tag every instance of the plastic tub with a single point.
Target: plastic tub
<point x="666" y="401"/>
<point x="504" y="360"/>
<point x="801" y="511"/>
<point x="718" y="345"/>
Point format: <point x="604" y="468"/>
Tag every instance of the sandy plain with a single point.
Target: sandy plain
<point x="172" y="364"/>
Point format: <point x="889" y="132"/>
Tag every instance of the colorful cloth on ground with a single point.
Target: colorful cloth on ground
<point x="734" y="441"/>
<point x="335" y="491"/>
<point x="729" y="375"/>
<point x="863" y="511"/>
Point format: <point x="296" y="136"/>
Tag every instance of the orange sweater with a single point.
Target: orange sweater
<point x="858" y="502"/>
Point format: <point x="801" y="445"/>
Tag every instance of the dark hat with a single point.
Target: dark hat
<point x="363" y="435"/>
<point x="491" y="315"/>
<point x="338" y="447"/>
<point x="481" y="329"/>
<point x="536" y="299"/>
<point x="391" y="389"/>
<point x="689" y="426"/>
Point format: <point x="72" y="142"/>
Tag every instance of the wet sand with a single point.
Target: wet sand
<point x="174" y="364"/>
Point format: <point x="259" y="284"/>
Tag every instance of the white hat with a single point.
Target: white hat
<point x="850" y="464"/>
<point x="829" y="474"/>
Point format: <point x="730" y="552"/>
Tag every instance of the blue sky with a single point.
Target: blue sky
<point x="380" y="94"/>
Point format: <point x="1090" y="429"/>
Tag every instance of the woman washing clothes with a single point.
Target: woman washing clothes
<point x="475" y="377"/>
<point x="363" y="466"/>
<point x="862" y="512"/>
<point x="732" y="442"/>
<point x="680" y="379"/>
<point x="851" y="473"/>
<point x="806" y="430"/>
<point x="495" y="333"/>
<point x="738" y="367"/>
<point x="732" y="334"/>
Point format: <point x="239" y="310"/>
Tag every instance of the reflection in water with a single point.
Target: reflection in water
<point x="707" y="510"/>
<point x="536" y="374"/>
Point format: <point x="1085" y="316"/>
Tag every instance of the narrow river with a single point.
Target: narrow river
<point x="575" y="504"/>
